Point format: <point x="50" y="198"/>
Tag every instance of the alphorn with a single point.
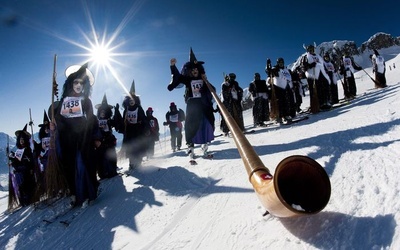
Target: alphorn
<point x="300" y="185"/>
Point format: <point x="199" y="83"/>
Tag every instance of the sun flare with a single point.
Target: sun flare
<point x="100" y="55"/>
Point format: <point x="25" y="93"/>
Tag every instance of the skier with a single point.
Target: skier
<point x="260" y="94"/>
<point x="154" y="132"/>
<point x="135" y="128"/>
<point x="347" y="69"/>
<point x="174" y="118"/>
<point x="232" y="95"/>
<point x="78" y="129"/>
<point x="22" y="168"/>
<point x="378" y="64"/>
<point x="283" y="85"/>
<point x="298" y="88"/>
<point x="105" y="153"/>
<point x="315" y="72"/>
<point x="331" y="71"/>
<point x="199" y="126"/>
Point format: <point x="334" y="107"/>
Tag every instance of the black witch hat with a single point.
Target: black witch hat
<point x="104" y="106"/>
<point x="192" y="58"/>
<point x="24" y="131"/>
<point x="46" y="120"/>
<point x="192" y="63"/>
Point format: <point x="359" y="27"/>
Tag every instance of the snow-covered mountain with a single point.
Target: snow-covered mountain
<point x="387" y="45"/>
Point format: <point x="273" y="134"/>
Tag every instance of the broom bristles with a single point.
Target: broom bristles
<point x="12" y="198"/>
<point x="56" y="183"/>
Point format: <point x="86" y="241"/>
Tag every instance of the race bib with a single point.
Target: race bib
<point x="72" y="107"/>
<point x="103" y="124"/>
<point x="196" y="86"/>
<point x="46" y="143"/>
<point x="234" y="94"/>
<point x="173" y="118"/>
<point x="19" y="153"/>
<point x="152" y="123"/>
<point x="262" y="95"/>
<point x="132" y="116"/>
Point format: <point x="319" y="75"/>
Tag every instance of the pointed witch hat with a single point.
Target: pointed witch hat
<point x="24" y="130"/>
<point x="132" y="91"/>
<point x="192" y="58"/>
<point x="103" y="104"/>
<point x="46" y="120"/>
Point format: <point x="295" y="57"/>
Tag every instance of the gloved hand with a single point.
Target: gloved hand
<point x="312" y="65"/>
<point x="170" y="87"/>
<point x="165" y="123"/>
<point x="11" y="155"/>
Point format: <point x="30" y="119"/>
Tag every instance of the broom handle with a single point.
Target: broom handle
<point x="53" y="86"/>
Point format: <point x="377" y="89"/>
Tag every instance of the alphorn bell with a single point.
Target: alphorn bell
<point x="300" y="185"/>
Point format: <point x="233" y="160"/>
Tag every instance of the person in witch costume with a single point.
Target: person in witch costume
<point x="232" y="95"/>
<point x="174" y="119"/>
<point x="282" y="80"/>
<point x="154" y="132"/>
<point x="41" y="154"/>
<point x="260" y="94"/>
<point x="22" y="167"/>
<point x="78" y="134"/>
<point x="313" y="67"/>
<point x="347" y="68"/>
<point x="379" y="68"/>
<point x="135" y="128"/>
<point x="105" y="153"/>
<point x="332" y="72"/>
<point x="199" y="125"/>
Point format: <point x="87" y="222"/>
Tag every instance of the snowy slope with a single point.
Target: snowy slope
<point x="169" y="204"/>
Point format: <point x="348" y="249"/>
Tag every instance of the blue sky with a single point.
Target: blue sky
<point x="230" y="36"/>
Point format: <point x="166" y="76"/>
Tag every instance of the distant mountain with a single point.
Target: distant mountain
<point x="387" y="45"/>
<point x="3" y="154"/>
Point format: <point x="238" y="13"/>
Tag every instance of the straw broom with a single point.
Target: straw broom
<point x="55" y="180"/>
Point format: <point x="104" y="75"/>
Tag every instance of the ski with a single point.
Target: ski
<point x="58" y="215"/>
<point x="249" y="132"/>
<point x="215" y="136"/>
<point x="66" y="222"/>
<point x="296" y="120"/>
<point x="337" y="105"/>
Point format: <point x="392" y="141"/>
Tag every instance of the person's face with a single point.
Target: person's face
<point x="78" y="86"/>
<point x="131" y="102"/>
<point x="102" y="114"/>
<point x="195" y="72"/>
<point x="22" y="141"/>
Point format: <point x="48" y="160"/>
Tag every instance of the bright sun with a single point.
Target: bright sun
<point x="100" y="55"/>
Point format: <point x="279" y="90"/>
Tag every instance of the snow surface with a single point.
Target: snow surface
<point x="169" y="204"/>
